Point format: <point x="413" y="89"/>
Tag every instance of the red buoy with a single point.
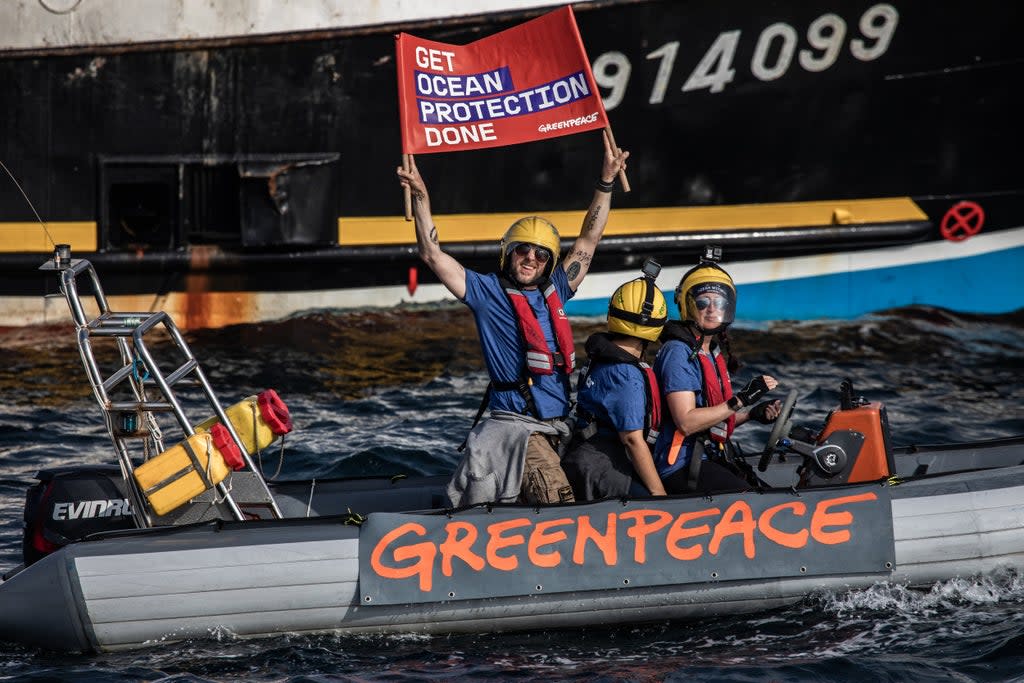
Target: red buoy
<point x="229" y="450"/>
<point x="413" y="280"/>
<point x="274" y="412"/>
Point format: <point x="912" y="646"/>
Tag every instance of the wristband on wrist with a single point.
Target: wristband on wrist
<point x="602" y="186"/>
<point x="734" y="403"/>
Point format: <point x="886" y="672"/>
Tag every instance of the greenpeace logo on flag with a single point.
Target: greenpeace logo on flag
<point x="571" y="123"/>
<point x="523" y="84"/>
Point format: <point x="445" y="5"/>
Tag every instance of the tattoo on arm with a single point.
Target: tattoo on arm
<point x="581" y="256"/>
<point x="574" y="271"/>
<point x="433" y="234"/>
<point x="591" y="218"/>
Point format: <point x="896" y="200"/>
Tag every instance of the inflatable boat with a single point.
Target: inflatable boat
<point x="183" y="537"/>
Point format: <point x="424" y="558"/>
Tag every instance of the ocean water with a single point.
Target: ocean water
<point x="395" y="392"/>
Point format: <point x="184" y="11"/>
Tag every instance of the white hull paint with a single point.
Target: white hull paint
<point x="75" y="23"/>
<point x="753" y="278"/>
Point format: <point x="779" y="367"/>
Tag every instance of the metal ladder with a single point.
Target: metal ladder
<point x="132" y="420"/>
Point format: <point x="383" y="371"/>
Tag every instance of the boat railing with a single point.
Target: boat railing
<point x="131" y="419"/>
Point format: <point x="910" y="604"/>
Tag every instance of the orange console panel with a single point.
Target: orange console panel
<point x="873" y="461"/>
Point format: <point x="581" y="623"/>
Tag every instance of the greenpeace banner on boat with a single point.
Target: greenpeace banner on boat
<point x="510" y="551"/>
<point x="530" y="82"/>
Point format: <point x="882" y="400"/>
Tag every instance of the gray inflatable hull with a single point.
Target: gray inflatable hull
<point x="301" y="576"/>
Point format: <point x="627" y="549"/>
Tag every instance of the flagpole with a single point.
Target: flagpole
<point x="615" y="148"/>
<point x="406" y="191"/>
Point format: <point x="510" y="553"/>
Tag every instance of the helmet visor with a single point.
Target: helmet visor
<point x="711" y="305"/>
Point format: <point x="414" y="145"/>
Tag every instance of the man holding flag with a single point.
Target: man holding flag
<point x="530" y="82"/>
<point x="527" y="344"/>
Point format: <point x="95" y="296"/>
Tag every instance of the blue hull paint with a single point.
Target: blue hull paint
<point x="951" y="284"/>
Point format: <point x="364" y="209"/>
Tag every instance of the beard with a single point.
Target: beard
<point x="530" y="281"/>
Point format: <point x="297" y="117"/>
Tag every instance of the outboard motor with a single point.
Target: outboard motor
<point x="69" y="503"/>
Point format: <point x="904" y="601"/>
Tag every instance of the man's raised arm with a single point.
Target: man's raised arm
<point x="577" y="263"/>
<point x="449" y="271"/>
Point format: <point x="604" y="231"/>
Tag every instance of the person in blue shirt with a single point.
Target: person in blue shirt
<point x="692" y="452"/>
<point x="618" y="403"/>
<point x="527" y="344"/>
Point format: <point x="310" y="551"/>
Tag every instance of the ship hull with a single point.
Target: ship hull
<point x="239" y="178"/>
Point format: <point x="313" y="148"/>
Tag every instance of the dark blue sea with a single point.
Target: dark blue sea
<point x="395" y="392"/>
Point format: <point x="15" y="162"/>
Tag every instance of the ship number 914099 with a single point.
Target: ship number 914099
<point x="772" y="57"/>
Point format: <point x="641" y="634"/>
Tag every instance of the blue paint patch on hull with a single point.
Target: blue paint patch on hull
<point x="987" y="283"/>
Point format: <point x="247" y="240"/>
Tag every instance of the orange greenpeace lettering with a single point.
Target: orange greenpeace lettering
<point x="823" y="518"/>
<point x="461" y="548"/>
<point x="738" y="519"/>
<point x="540" y="538"/>
<point x="641" y="529"/>
<point x="423" y="553"/>
<point x="659" y="535"/>
<point x="604" y="542"/>
<point x="678" y="532"/>
<point x="497" y="542"/>
<point x="794" y="540"/>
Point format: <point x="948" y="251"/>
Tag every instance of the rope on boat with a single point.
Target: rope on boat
<point x="280" y="460"/>
<point x="228" y="486"/>
<point x="259" y="451"/>
<point x="352" y="518"/>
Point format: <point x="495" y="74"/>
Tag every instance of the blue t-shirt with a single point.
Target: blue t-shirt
<point x="616" y="395"/>
<point x="502" y="345"/>
<point x="675" y="372"/>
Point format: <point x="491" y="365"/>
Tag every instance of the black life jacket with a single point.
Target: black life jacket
<point x="601" y="350"/>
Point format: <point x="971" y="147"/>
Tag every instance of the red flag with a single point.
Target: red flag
<point x="530" y="82"/>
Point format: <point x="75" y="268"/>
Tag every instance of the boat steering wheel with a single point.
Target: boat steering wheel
<point x="779" y="428"/>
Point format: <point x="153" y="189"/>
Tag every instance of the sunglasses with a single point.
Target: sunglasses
<point x="540" y="253"/>
<point x="706" y="300"/>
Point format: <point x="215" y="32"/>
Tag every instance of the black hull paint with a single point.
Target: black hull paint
<point x="171" y="146"/>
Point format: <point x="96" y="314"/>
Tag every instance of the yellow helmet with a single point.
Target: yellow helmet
<point x="638" y="309"/>
<point x="706" y="279"/>
<point x="531" y="230"/>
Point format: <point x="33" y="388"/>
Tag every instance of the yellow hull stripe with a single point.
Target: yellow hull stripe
<point x="30" y="236"/>
<point x="383" y="230"/>
<point x="478" y="227"/>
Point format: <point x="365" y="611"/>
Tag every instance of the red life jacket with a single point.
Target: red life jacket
<point x="714" y="374"/>
<point x="717" y="389"/>
<point x="539" y="358"/>
<point x="653" y="403"/>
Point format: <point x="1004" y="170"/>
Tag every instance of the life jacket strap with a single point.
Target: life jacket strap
<point x="696" y="460"/>
<point x="522" y="386"/>
<point x="653" y="417"/>
<point x="479" y="413"/>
